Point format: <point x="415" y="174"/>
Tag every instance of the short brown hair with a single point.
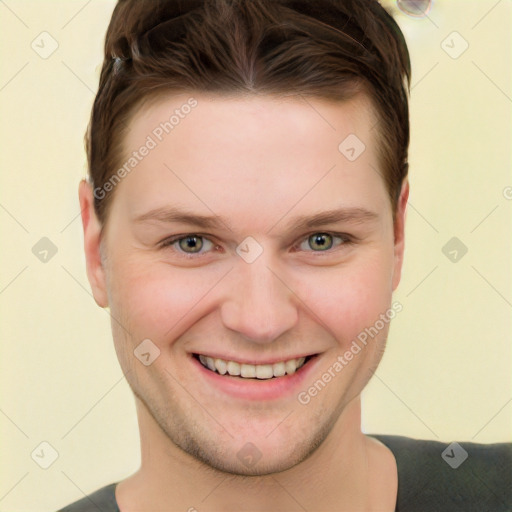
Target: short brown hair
<point x="330" y="49"/>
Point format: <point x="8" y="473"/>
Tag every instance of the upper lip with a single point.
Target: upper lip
<point x="254" y="360"/>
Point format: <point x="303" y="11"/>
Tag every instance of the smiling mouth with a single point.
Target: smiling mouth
<point x="252" y="371"/>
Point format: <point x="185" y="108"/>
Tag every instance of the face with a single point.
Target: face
<point x="245" y="240"/>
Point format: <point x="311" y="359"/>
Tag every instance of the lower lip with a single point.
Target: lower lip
<point x="257" y="389"/>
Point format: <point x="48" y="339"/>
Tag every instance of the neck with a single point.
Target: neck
<point x="337" y="476"/>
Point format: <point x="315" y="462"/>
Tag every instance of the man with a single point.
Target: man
<point x="244" y="222"/>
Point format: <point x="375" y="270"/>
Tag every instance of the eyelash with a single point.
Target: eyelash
<point x="346" y="240"/>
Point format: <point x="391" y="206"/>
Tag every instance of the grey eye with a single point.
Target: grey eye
<point x="191" y="244"/>
<point x="320" y="241"/>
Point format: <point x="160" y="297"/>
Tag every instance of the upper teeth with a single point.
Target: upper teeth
<point x="258" y="371"/>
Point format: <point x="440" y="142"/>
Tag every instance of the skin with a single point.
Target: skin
<point x="258" y="162"/>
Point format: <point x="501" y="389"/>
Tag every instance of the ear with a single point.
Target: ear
<point x="399" y="232"/>
<point x="92" y="238"/>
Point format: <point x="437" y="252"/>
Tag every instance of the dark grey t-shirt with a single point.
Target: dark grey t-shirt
<point x="432" y="477"/>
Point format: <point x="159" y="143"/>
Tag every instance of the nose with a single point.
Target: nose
<point x="259" y="305"/>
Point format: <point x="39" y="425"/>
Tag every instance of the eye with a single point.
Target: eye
<point x="320" y="242"/>
<point x="189" y="244"/>
<point x="193" y="245"/>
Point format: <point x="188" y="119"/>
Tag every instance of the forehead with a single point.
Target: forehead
<point x="256" y="154"/>
<point x="249" y="118"/>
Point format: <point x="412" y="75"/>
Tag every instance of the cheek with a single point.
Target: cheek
<point x="160" y="302"/>
<point x="348" y="299"/>
<point x="156" y="300"/>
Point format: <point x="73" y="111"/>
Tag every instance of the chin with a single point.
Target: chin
<point x="251" y="459"/>
<point x="252" y="448"/>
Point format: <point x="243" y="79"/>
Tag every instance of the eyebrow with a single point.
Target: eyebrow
<point x="349" y="215"/>
<point x="169" y="215"/>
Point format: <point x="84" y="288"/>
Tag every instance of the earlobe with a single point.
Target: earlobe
<point x="92" y="239"/>
<point x="399" y="233"/>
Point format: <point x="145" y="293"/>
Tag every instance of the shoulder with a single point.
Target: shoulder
<point x="438" y="476"/>
<point x="103" y="499"/>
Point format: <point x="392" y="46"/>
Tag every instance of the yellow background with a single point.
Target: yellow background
<point x="446" y="372"/>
